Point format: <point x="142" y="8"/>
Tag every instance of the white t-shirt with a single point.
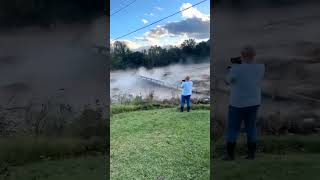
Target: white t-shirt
<point x="245" y="82"/>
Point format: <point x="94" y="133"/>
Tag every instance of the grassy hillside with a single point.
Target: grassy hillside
<point x="166" y="144"/>
<point x="160" y="144"/>
<point x="293" y="157"/>
<point x="267" y="166"/>
<point x="69" y="169"/>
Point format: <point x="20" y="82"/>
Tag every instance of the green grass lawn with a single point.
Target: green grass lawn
<point x="165" y="144"/>
<point x="266" y="167"/>
<point x="160" y="144"/>
<point x="293" y="157"/>
<point x="85" y="168"/>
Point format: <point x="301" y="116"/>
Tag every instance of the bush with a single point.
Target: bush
<point x="145" y="105"/>
<point x="89" y="124"/>
<point x="121" y="108"/>
<point x="280" y="124"/>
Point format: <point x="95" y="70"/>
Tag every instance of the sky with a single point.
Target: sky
<point x="193" y="23"/>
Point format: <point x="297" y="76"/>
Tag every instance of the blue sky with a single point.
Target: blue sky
<point x="193" y="23"/>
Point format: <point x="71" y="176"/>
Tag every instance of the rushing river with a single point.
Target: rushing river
<point x="126" y="83"/>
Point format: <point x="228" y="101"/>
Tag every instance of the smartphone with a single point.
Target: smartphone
<point x="236" y="60"/>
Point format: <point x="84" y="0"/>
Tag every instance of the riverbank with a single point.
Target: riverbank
<point x="127" y="84"/>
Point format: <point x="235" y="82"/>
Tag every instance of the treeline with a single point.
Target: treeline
<point x="122" y="57"/>
<point x="15" y="13"/>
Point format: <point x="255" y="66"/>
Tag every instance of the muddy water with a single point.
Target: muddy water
<point x="127" y="83"/>
<point x="286" y="40"/>
<point x="38" y="63"/>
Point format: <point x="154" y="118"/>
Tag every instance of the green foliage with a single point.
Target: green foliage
<point x="156" y="56"/>
<point x="121" y="108"/>
<point x="188" y="46"/>
<point x="139" y="104"/>
<point x="89" y="124"/>
<point x="202" y="49"/>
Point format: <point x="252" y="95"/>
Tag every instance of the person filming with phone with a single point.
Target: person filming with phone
<point x="244" y="78"/>
<point x="186" y="93"/>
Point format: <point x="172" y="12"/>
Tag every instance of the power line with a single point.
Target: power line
<point x="160" y="20"/>
<point x="123" y="8"/>
<point x="120" y="4"/>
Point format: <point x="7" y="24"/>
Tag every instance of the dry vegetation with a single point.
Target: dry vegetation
<point x="50" y="119"/>
<point x="50" y="130"/>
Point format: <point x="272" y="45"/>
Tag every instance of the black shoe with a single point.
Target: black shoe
<point x="181" y="109"/>
<point x="251" y="150"/>
<point x="230" y="151"/>
<point x="188" y="109"/>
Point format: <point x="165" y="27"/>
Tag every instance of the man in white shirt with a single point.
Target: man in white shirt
<point x="186" y="93"/>
<point x="245" y="98"/>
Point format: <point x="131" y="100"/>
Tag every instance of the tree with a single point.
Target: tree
<point x="120" y="49"/>
<point x="157" y="56"/>
<point x="154" y="55"/>
<point x="175" y="54"/>
<point x="202" y="49"/>
<point x="135" y="59"/>
<point x="188" y="46"/>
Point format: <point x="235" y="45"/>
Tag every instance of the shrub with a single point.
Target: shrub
<point x="89" y="124"/>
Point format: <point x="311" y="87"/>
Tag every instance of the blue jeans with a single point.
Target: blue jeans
<point x="235" y="117"/>
<point x="184" y="99"/>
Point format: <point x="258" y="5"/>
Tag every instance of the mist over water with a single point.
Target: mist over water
<point x="279" y="33"/>
<point x="127" y="82"/>
<point x="39" y="63"/>
<point x="286" y="40"/>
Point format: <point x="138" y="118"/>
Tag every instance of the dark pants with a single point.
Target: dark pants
<point x="235" y="117"/>
<point x="185" y="99"/>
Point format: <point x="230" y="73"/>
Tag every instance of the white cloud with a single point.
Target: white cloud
<point x="195" y="25"/>
<point x="192" y="28"/>
<point x="144" y="21"/>
<point x="159" y="8"/>
<point x="193" y="12"/>
<point x="129" y="43"/>
<point x="132" y="44"/>
<point x="174" y="33"/>
<point x="148" y="14"/>
<point x="157" y="32"/>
